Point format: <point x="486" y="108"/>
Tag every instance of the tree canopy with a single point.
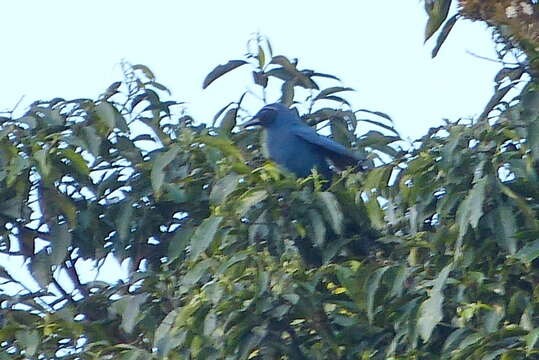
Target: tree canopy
<point x="433" y="253"/>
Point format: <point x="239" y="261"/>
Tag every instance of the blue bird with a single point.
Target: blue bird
<point x="298" y="147"/>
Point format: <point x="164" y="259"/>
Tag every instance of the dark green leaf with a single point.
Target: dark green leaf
<point x="319" y="228"/>
<point x="531" y="340"/>
<point x="106" y="113"/>
<point x="505" y="227"/>
<point x="158" y="168"/>
<point x="331" y="210"/>
<point x="250" y="199"/>
<point x="223" y="144"/>
<point x="331" y="90"/>
<point x="529" y="252"/>
<point x="146" y="70"/>
<point x="373" y="283"/>
<point x="223" y="187"/>
<point x="444" y="33"/>
<point x="40" y="268"/>
<point x="29" y="339"/>
<point x="179" y="241"/>
<point x="430" y="311"/>
<point x="437" y="16"/>
<point x="219" y="113"/>
<point x="204" y="235"/>
<point x="131" y="311"/>
<point x="194" y="274"/>
<point x="229" y="121"/>
<point x="220" y="70"/>
<point x="76" y="161"/>
<point x="60" y="242"/>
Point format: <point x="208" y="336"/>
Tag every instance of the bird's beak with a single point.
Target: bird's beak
<point x="253" y="122"/>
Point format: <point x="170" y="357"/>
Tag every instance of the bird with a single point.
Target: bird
<point x="297" y="147"/>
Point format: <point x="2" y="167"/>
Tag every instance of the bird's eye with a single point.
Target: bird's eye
<point x="267" y="116"/>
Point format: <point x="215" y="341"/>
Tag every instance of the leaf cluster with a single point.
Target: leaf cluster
<point x="431" y="254"/>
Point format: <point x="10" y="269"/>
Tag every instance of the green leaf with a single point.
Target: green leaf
<point x="220" y="112"/>
<point x="301" y="78"/>
<point x="17" y="164"/>
<point x="261" y="57"/>
<point x="159" y="86"/>
<point x="530" y="114"/>
<point x="107" y="113"/>
<point x="12" y="208"/>
<point x="377" y="113"/>
<point x="131" y="311"/>
<point x="220" y="70"/>
<point x="340" y="131"/>
<point x="223" y="187"/>
<point x="259" y="230"/>
<point x="30" y="121"/>
<point x="158" y="168"/>
<point x="430" y="311"/>
<point x="284" y="62"/>
<point x="377" y="178"/>
<point x="287" y="93"/>
<point x="476" y="199"/>
<point x="250" y="199"/>
<point x="229" y="120"/>
<point x="471" y="208"/>
<point x="163" y="330"/>
<point x="204" y="235"/>
<point x="64" y="203"/>
<point x="40" y="268"/>
<point x="60" y="242"/>
<point x="327" y="76"/>
<point x="195" y="273"/>
<point x="123" y="221"/>
<point x="92" y="140"/>
<point x="504" y="227"/>
<point x="234" y="259"/>
<point x="437" y="16"/>
<point x="146" y="70"/>
<point x="29" y="339"/>
<point x="375" y="138"/>
<point x="444" y="33"/>
<point x="529" y="252"/>
<point x="382" y="125"/>
<point x="331" y="90"/>
<point x="319" y="229"/>
<point x="375" y="212"/>
<point x="401" y="274"/>
<point x="528" y="212"/>
<point x="372" y="286"/>
<point x="42" y="158"/>
<point x="223" y="144"/>
<point x="76" y="161"/>
<point x="331" y="210"/>
<point x="531" y="340"/>
<point x="179" y="241"/>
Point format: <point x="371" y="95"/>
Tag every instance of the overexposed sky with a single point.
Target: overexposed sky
<point x="70" y="49"/>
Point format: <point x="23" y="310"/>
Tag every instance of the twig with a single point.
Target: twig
<point x="65" y="294"/>
<point x="74" y="276"/>
<point x="497" y="61"/>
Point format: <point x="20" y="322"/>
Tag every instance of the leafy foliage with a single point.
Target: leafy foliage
<point x="432" y="254"/>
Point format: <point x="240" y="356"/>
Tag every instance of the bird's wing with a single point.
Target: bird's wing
<point x="339" y="155"/>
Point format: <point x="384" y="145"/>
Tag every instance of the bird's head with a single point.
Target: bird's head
<point x="271" y="115"/>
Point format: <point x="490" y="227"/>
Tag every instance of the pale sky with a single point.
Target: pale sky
<point x="72" y="49"/>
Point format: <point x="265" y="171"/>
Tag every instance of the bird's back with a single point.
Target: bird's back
<point x="294" y="153"/>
